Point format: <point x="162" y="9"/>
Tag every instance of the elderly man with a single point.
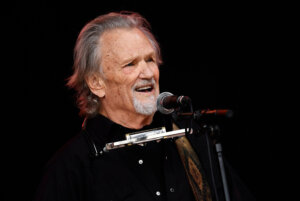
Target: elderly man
<point x="116" y="77"/>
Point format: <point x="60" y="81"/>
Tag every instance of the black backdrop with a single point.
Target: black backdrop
<point x="221" y="55"/>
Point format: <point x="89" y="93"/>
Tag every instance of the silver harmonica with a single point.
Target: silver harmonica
<point x="143" y="137"/>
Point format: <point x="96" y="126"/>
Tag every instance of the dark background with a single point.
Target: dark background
<point x="232" y="55"/>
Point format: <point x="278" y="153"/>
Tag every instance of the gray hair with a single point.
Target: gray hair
<point x="87" y="54"/>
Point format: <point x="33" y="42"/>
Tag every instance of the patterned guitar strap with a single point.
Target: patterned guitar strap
<point x="193" y="169"/>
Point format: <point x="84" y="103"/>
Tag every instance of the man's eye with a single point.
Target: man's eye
<point x="129" y="64"/>
<point x="150" y="60"/>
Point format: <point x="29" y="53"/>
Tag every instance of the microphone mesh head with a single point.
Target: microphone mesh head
<point x="159" y="103"/>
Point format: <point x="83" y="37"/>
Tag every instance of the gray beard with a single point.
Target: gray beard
<point x="147" y="108"/>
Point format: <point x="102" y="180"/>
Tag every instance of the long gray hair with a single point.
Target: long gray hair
<point x="87" y="54"/>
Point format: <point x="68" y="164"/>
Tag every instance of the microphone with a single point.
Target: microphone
<point x="166" y="102"/>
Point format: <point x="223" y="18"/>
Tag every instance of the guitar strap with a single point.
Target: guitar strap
<point x="193" y="169"/>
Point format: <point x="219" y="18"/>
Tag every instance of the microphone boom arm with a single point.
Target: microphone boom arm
<point x="197" y="115"/>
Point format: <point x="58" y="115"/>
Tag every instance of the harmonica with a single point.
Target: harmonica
<point x="144" y="136"/>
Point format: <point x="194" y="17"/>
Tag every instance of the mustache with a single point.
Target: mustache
<point x="144" y="82"/>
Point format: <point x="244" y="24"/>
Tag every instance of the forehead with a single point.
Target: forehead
<point x="123" y="43"/>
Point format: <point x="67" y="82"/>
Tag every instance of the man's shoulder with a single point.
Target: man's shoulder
<point x="74" y="151"/>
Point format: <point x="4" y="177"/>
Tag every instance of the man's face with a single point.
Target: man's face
<point x="130" y="71"/>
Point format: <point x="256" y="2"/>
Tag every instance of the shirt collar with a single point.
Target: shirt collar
<point x="106" y="130"/>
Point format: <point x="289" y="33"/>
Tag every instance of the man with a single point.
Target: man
<point x="116" y="76"/>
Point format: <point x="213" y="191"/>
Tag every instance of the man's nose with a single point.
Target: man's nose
<point x="146" y="70"/>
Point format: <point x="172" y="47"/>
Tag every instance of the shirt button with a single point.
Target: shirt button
<point x="172" y="190"/>
<point x="157" y="193"/>
<point x="141" y="161"/>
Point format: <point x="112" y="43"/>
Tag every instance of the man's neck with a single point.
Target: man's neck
<point x="128" y="120"/>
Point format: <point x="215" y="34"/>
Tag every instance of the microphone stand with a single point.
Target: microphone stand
<point x="214" y="132"/>
<point x="223" y="174"/>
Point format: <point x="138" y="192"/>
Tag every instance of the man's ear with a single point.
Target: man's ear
<point x="96" y="84"/>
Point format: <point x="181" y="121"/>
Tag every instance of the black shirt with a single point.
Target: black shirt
<point x="141" y="173"/>
<point x="150" y="172"/>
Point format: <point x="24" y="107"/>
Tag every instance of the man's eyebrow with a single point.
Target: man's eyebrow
<point x="128" y="60"/>
<point x="151" y="54"/>
<point x="133" y="58"/>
